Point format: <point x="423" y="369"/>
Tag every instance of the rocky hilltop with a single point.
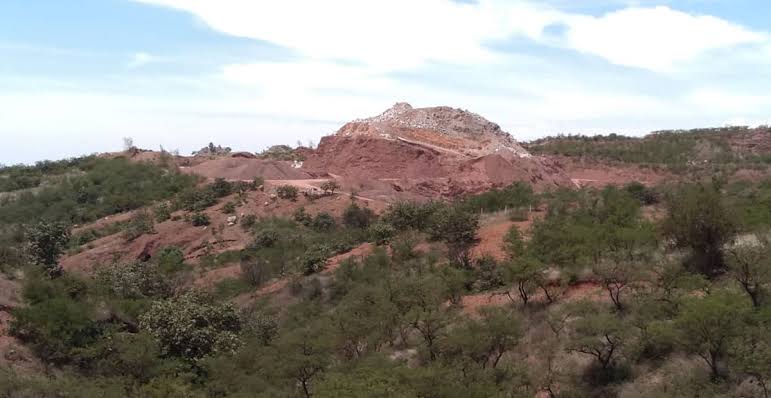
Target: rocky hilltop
<point x="432" y="151"/>
<point x="442" y="127"/>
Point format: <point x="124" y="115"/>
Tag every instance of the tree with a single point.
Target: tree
<point x="302" y="354"/>
<point x="486" y="340"/>
<point x="598" y="334"/>
<point x="191" y="326"/>
<point x="708" y="325"/>
<point x="513" y="243"/>
<point x="751" y="351"/>
<point x="329" y="187"/>
<point x="323" y="222"/>
<point x="287" y="192"/>
<point x="750" y="266"/>
<point x="355" y="216"/>
<point x="615" y="277"/>
<point x="46" y="241"/>
<point x="698" y="220"/>
<point x="128" y="143"/>
<point x="457" y="229"/>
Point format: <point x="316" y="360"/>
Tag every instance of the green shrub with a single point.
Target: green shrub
<point x="381" y="232"/>
<point x="358" y="217"/>
<point x="302" y="217"/>
<point x="323" y="222"/>
<point x="229" y="208"/>
<point x="162" y="212"/>
<point x="287" y="192"/>
<point x="200" y="219"/>
<point x="315" y="259"/>
<point x="141" y="223"/>
<point x="248" y="221"/>
<point x="191" y="326"/>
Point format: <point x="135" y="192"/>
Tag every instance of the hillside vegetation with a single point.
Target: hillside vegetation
<point x="628" y="291"/>
<point x="677" y="150"/>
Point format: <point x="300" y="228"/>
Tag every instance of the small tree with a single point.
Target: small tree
<point x="699" y="221"/>
<point x="329" y="187"/>
<point x="513" y="243"/>
<point x="200" y="219"/>
<point x="358" y="217"/>
<point x="750" y="266"/>
<point x="191" y="326"/>
<point x="323" y="222"/>
<point x="600" y="335"/>
<point x="457" y="229"/>
<point x="46" y="240"/>
<point x="287" y="192"/>
<point x="708" y="325"/>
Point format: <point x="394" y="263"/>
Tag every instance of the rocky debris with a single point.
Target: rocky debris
<point x="211" y="150"/>
<point x="231" y="220"/>
<point x="442" y="126"/>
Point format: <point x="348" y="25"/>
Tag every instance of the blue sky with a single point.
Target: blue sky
<point x="78" y="76"/>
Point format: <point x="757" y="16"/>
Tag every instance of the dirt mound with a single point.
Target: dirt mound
<point x="432" y="152"/>
<point x="243" y="168"/>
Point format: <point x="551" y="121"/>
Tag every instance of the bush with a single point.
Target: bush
<point x="229" y="208"/>
<point x="220" y="188"/>
<point x="162" y="212"/>
<point x="56" y="329"/>
<point x="381" y="232"/>
<point x="141" y="223"/>
<point x="287" y="192"/>
<point x="248" y="221"/>
<point x="200" y="219"/>
<point x="323" y="222"/>
<point x="191" y="326"/>
<point x="170" y="258"/>
<point x="643" y="194"/>
<point x="302" y="217"/>
<point x="358" y="217"/>
<point x="329" y="187"/>
<point x="46" y="240"/>
<point x="134" y="281"/>
<point x="315" y="259"/>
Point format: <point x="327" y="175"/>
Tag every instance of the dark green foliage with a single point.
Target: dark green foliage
<point x="646" y="196"/>
<point x="229" y="208"/>
<point x="107" y="186"/>
<point x="302" y="217"/>
<point x="457" y="228"/>
<point x="381" y="232"/>
<point x="287" y="192"/>
<point x="220" y="187"/>
<point x="315" y="259"/>
<point x="355" y="216"/>
<point x="518" y="195"/>
<point x="323" y="222"/>
<point x="248" y="221"/>
<point x="675" y="149"/>
<point x="56" y="328"/>
<point x="162" y="212"/>
<point x="170" y="258"/>
<point x="13" y="178"/>
<point x="200" y="219"/>
<point x="411" y="215"/>
<point x="708" y="326"/>
<point x="698" y="220"/>
<point x="191" y="326"/>
<point x="46" y="241"/>
<point x="329" y="187"/>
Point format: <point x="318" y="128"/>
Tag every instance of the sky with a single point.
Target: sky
<point x="78" y="76"/>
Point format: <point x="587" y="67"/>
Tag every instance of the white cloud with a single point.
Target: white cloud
<point x="654" y="38"/>
<point x="399" y="34"/>
<point x="141" y="59"/>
